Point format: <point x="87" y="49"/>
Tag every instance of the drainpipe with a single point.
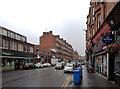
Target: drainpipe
<point x="107" y="65"/>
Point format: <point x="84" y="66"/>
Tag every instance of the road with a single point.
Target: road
<point x="50" y="77"/>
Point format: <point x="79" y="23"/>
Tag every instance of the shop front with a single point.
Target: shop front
<point x="100" y="58"/>
<point x="14" y="60"/>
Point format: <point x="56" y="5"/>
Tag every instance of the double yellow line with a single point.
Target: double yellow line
<point x="66" y="82"/>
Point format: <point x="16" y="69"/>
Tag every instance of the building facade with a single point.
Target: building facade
<point x="76" y="56"/>
<point x="15" y="50"/>
<point x="54" y="46"/>
<point x="97" y="28"/>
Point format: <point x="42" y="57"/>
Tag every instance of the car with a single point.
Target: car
<point x="59" y="66"/>
<point x="68" y="68"/>
<point x="46" y="65"/>
<point x="28" y="65"/>
<point x="38" y="65"/>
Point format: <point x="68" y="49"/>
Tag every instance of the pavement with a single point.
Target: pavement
<point x="93" y="80"/>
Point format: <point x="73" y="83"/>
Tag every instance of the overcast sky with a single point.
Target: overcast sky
<point x="31" y="18"/>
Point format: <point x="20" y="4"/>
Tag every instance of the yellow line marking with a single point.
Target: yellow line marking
<point x="67" y="82"/>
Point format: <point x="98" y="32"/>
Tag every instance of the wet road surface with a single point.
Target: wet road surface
<point x="50" y="77"/>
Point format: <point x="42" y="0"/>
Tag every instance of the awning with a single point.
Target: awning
<point x="54" y="50"/>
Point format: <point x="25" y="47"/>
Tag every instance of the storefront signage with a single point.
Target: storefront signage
<point x="107" y="39"/>
<point x="6" y="53"/>
<point x="15" y="54"/>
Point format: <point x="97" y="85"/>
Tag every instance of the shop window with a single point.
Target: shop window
<point x="5" y="44"/>
<point x="4" y="32"/>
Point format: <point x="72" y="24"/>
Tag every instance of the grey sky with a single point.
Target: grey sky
<point x="31" y="18"/>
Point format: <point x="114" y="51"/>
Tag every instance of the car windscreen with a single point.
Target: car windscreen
<point x="59" y="64"/>
<point x="69" y="65"/>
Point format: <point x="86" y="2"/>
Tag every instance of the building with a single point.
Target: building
<point x="52" y="46"/>
<point x="37" y="54"/>
<point x="76" y="56"/>
<point x="15" y="50"/>
<point x="113" y="49"/>
<point x="97" y="27"/>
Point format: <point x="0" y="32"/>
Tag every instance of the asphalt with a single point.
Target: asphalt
<point x="49" y="77"/>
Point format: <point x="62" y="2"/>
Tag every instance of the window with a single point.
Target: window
<point x="18" y="37"/>
<point x="23" y="39"/>
<point x="31" y="49"/>
<point x="88" y="20"/>
<point x="93" y="31"/>
<point x="12" y="35"/>
<point x="88" y="33"/>
<point x="93" y="13"/>
<point x="0" y="31"/>
<point x="9" y="34"/>
<point x="20" y="47"/>
<point x="26" y="48"/>
<point x="4" y="32"/>
<point x="5" y="44"/>
<point x="13" y="45"/>
<point x="99" y="20"/>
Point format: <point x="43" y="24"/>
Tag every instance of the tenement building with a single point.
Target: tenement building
<point x="98" y="27"/>
<point x="15" y="50"/>
<point x="52" y="46"/>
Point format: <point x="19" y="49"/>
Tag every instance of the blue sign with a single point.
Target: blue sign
<point x="107" y="39"/>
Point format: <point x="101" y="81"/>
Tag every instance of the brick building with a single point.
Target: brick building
<point x="75" y="56"/>
<point x="97" y="27"/>
<point x="15" y="50"/>
<point x="54" y="46"/>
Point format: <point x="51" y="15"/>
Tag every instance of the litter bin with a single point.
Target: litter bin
<point x="76" y="76"/>
<point x="78" y="68"/>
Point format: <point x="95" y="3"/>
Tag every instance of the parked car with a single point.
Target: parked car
<point x="59" y="66"/>
<point x="46" y="65"/>
<point x="28" y="65"/>
<point x="68" y="68"/>
<point x="38" y="65"/>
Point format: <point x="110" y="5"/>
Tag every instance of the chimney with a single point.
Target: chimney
<point x="44" y="33"/>
<point x="50" y="32"/>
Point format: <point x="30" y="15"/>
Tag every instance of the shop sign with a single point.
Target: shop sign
<point x="107" y="39"/>
<point x="7" y="53"/>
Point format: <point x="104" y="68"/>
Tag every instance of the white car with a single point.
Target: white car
<point x="68" y="68"/>
<point x="39" y="65"/>
<point x="46" y="64"/>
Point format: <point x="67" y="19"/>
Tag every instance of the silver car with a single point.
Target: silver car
<point x="68" y="68"/>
